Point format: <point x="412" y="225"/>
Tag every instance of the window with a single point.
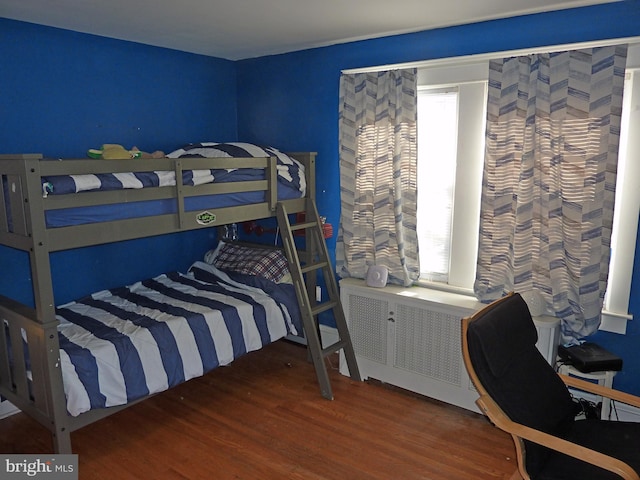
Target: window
<point x="448" y="244"/>
<point x="437" y="142"/>
<point x="448" y="226"/>
<point x="450" y="154"/>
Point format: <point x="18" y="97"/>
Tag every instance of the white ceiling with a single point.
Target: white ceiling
<point x="237" y="29"/>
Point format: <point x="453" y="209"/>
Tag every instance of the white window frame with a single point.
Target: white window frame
<point x="615" y="312"/>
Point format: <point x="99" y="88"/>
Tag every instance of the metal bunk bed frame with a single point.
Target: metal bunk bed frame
<point x="36" y="387"/>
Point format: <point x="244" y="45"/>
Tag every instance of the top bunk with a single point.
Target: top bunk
<point x="54" y="204"/>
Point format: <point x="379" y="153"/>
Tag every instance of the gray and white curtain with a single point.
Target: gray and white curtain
<point x="378" y="173"/>
<point x="553" y="126"/>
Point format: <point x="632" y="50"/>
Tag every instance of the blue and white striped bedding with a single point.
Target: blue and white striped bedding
<point x="123" y="344"/>
<point x="290" y="171"/>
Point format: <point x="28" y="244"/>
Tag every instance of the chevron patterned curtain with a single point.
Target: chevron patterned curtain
<point x="378" y="172"/>
<point x="553" y="126"/>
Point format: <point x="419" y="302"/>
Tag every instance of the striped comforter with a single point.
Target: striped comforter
<point x="127" y="343"/>
<point x="290" y="171"/>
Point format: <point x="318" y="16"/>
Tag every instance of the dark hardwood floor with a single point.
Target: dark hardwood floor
<point x="263" y="418"/>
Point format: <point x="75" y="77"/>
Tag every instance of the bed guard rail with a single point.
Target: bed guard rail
<point x="29" y="360"/>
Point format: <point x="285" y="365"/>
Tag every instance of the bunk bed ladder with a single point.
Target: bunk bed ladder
<point x="303" y="265"/>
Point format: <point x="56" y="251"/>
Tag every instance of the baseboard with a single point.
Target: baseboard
<point x="329" y="335"/>
<point x="626" y="413"/>
<point x="296" y="339"/>
<point x="7" y="409"/>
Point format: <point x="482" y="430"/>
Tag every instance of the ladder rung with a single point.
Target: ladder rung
<point x="300" y="226"/>
<point x="323" y="307"/>
<point x="339" y="345"/>
<point x="313" y="266"/>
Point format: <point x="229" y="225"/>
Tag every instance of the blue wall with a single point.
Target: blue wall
<point x="65" y="92"/>
<point x="298" y="93"/>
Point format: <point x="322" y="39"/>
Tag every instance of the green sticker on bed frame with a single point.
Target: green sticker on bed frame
<point x="206" y="218"/>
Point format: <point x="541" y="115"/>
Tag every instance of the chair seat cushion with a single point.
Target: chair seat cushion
<point x="617" y="439"/>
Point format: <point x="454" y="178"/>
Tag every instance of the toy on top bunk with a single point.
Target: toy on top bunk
<point x="113" y="151"/>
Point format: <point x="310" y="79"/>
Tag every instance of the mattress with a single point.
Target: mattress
<point x="124" y="344"/>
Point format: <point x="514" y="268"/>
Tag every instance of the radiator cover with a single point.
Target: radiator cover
<point x="410" y="337"/>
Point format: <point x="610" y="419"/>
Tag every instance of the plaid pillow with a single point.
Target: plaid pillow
<point x="268" y="263"/>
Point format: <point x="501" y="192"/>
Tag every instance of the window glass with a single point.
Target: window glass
<point x="437" y="147"/>
<point x="451" y="121"/>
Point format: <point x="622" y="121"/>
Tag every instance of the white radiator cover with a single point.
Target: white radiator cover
<point x="410" y="337"/>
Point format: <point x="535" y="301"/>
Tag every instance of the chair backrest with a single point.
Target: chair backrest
<point x="504" y="363"/>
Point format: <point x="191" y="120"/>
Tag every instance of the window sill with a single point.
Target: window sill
<point x="614" y="322"/>
<point x="611" y="322"/>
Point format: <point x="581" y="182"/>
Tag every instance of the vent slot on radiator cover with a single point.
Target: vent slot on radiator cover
<point x="428" y="343"/>
<point x="368" y="319"/>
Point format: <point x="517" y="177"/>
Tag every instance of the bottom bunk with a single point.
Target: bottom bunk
<point x="119" y="346"/>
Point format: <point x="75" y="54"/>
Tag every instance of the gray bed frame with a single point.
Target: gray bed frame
<point x="23" y="227"/>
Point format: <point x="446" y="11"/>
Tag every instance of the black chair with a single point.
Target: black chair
<point x="523" y="395"/>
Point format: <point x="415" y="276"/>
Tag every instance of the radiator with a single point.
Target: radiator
<point x="410" y="338"/>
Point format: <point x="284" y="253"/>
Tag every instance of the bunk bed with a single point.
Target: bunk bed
<point x="49" y="367"/>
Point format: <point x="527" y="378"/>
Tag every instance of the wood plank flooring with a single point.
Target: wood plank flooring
<point x="263" y="418"/>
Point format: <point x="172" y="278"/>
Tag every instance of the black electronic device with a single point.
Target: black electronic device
<point x="589" y="357"/>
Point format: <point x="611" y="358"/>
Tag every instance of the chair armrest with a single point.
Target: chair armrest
<point x="600" y="390"/>
<point x="498" y="417"/>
